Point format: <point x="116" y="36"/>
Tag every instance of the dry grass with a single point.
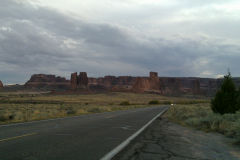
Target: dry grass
<point x="21" y="107"/>
<point x="108" y="98"/>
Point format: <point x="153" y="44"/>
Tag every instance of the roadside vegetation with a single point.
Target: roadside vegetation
<point x="22" y="107"/>
<point x="222" y="115"/>
<point x="227" y="99"/>
<point x="201" y="117"/>
<point x="154" y="102"/>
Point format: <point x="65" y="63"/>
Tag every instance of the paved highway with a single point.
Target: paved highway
<point x="86" y="137"/>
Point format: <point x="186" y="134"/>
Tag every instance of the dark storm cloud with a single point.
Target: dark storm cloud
<point x="42" y="40"/>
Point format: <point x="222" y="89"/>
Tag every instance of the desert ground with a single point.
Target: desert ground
<point x="31" y="106"/>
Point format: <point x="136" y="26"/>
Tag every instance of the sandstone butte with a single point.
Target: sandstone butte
<point x="47" y="82"/>
<point x="79" y="81"/>
<point x="151" y="84"/>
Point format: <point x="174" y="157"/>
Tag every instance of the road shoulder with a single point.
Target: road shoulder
<point x="164" y="140"/>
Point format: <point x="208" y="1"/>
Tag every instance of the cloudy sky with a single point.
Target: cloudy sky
<point x="119" y="37"/>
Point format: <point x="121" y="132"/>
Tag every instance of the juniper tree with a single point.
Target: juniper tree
<point x="225" y="100"/>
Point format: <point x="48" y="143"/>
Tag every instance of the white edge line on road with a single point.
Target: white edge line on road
<point x="121" y="146"/>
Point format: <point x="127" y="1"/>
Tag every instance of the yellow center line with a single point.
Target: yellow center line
<point x="12" y="138"/>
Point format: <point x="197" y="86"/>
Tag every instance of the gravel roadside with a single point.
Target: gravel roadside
<point x="164" y="140"/>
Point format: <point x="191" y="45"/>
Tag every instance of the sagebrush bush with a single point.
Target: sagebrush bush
<point x="3" y="118"/>
<point x="71" y="111"/>
<point x="154" y="102"/>
<point x="124" y="103"/>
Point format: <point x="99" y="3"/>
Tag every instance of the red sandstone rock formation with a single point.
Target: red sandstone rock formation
<point x="74" y="80"/>
<point x="109" y="81"/>
<point x="163" y="85"/>
<point x="112" y="83"/>
<point x="42" y="81"/>
<point x="149" y="84"/>
<point x="154" y="81"/>
<point x="79" y="82"/>
<point x="141" y="84"/>
<point x="1" y="84"/>
<point x="126" y="80"/>
<point x="92" y="81"/>
<point x="171" y="86"/>
<point x="196" y="86"/>
<point x="83" y="80"/>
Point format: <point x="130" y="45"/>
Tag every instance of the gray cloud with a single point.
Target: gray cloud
<point x="43" y="40"/>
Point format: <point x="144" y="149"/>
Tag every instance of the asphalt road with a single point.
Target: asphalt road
<point x="86" y="137"/>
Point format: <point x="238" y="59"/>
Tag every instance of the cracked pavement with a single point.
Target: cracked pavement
<point x="164" y="140"/>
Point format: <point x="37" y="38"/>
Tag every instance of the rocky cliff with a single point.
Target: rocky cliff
<point x="112" y="83"/>
<point x="74" y="81"/>
<point x="152" y="84"/>
<point x="141" y="84"/>
<point x="79" y="82"/>
<point x="83" y="80"/>
<point x="48" y="82"/>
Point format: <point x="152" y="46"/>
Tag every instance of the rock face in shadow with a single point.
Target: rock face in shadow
<point x="79" y="81"/>
<point x="112" y="83"/>
<point x="196" y="87"/>
<point x="154" y="81"/>
<point x="83" y="80"/>
<point x="188" y="85"/>
<point x="47" y="82"/>
<point x="74" y="80"/>
<point x="1" y="84"/>
<point x="171" y="86"/>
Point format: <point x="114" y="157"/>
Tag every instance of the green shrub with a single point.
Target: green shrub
<point x="71" y="112"/>
<point x="226" y="98"/>
<point x="6" y="117"/>
<point x="11" y="117"/>
<point x="3" y="118"/>
<point x="154" y="102"/>
<point x="124" y="103"/>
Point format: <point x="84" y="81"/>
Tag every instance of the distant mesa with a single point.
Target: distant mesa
<point x="47" y="82"/>
<point x="151" y="84"/>
<point x="1" y="84"/>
